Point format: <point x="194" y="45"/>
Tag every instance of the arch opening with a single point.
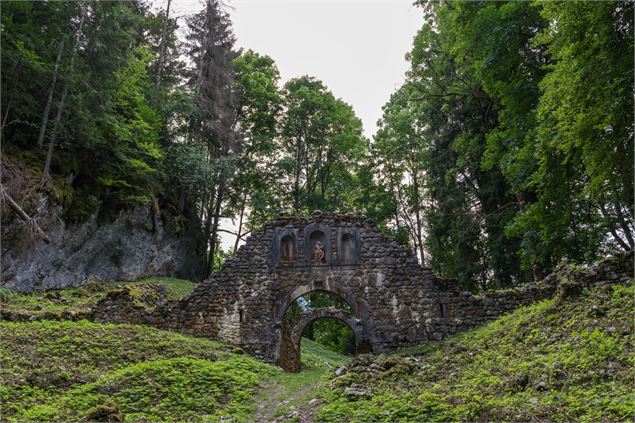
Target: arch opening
<point x="334" y="334"/>
<point x="323" y="317"/>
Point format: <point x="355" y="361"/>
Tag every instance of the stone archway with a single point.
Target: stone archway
<point x="358" y="305"/>
<point x="290" y="355"/>
<point x="389" y="294"/>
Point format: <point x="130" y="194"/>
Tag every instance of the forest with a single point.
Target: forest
<point x="507" y="149"/>
<point x="494" y="207"/>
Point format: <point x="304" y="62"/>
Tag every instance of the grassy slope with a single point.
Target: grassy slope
<point x="53" y="303"/>
<point x="64" y="370"/>
<point x="571" y="361"/>
<point x="52" y="370"/>
<point x="564" y="362"/>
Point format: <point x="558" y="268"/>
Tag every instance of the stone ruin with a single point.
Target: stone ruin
<point x="394" y="302"/>
<point x="390" y="295"/>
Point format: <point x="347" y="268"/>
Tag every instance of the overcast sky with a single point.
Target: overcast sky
<point x="355" y="47"/>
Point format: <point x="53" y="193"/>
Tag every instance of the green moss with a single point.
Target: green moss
<point x="547" y="361"/>
<point x="51" y="304"/>
<point x="177" y="288"/>
<point x="176" y="389"/>
<point x="51" y="368"/>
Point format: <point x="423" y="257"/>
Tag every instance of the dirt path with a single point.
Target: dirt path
<point x="290" y="397"/>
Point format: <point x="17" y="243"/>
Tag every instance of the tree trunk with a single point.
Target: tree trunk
<point x="14" y="72"/>
<point x="240" y="224"/>
<point x="164" y="44"/>
<point x="415" y="182"/>
<point x="622" y="220"/>
<point x="60" y="109"/>
<point x="49" y="99"/>
<point x="212" y="239"/>
<point x="31" y="223"/>
<point x="182" y="200"/>
<point x="296" y="177"/>
<point x="619" y="239"/>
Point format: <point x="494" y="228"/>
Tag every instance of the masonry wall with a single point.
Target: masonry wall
<point x="395" y="301"/>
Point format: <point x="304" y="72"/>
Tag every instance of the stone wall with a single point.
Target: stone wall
<point x="135" y="245"/>
<point x="394" y="301"/>
<point x="244" y="303"/>
<point x="458" y="310"/>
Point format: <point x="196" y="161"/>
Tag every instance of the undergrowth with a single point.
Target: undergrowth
<point x="567" y="362"/>
<point x="55" y="371"/>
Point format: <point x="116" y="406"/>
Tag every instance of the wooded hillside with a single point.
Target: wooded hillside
<point x="508" y="148"/>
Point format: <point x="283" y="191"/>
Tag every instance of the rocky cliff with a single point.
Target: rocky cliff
<point x="136" y="244"/>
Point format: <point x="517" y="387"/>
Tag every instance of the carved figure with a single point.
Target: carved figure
<point x="318" y="252"/>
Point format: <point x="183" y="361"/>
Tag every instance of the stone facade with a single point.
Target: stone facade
<point x="394" y="301"/>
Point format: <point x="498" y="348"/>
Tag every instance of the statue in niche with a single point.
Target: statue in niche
<point x="318" y="252"/>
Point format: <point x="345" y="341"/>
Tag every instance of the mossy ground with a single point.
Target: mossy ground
<point x="51" y="304"/>
<point x="61" y="370"/>
<point x="568" y="361"/>
<point x="545" y="362"/>
<point x="67" y="370"/>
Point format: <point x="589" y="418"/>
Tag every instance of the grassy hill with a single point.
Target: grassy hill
<point x="571" y="361"/>
<point x="62" y="370"/>
<point x="68" y="370"/>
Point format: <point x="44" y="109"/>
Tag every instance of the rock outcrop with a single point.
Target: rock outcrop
<point x="135" y="245"/>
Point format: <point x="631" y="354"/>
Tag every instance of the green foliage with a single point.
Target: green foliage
<point x="321" y="144"/>
<point x="509" y="146"/>
<point x="166" y="390"/>
<point x="567" y="362"/>
<point x="59" y="370"/>
<point x="107" y="138"/>
<point x="335" y="335"/>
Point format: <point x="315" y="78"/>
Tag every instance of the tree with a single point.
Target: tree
<point x="321" y="144"/>
<point x="586" y="111"/>
<point x="212" y="123"/>
<point x="258" y="108"/>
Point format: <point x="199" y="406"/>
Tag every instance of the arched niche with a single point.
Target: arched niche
<point x="288" y="249"/>
<point x="348" y="246"/>
<point x="284" y="248"/>
<point x="315" y="235"/>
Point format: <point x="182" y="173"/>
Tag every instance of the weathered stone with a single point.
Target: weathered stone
<point x="394" y="302"/>
<point x="135" y="245"/>
<point x="358" y="390"/>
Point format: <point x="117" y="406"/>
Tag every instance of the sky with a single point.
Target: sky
<point x="356" y="47"/>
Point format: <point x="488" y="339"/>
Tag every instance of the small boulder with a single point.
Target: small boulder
<point x="520" y="381"/>
<point x="596" y="311"/>
<point x="104" y="413"/>
<point x="358" y="390"/>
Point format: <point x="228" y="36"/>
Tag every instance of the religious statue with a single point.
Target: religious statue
<point x="318" y="252"/>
